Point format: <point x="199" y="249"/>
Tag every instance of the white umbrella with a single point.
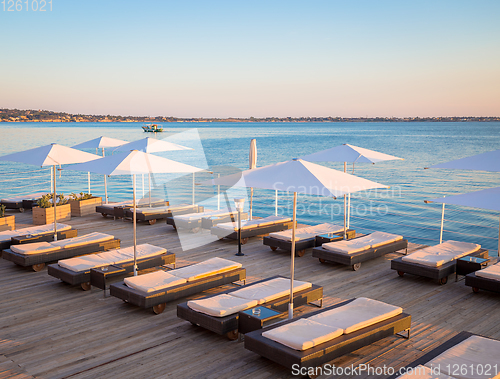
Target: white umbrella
<point x="51" y="155"/>
<point x="252" y="163"/>
<point x="484" y="199"/>
<point x="152" y="145"/>
<point x="299" y="176"/>
<point x="133" y="163"/>
<point x="101" y="143"/>
<point x="489" y="161"/>
<point x="352" y="154"/>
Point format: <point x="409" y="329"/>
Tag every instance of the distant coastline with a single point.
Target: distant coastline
<point x="17" y="115"/>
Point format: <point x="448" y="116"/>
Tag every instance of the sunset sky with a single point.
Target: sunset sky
<point x="254" y="58"/>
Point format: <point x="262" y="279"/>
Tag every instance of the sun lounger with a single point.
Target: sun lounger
<point x="305" y="237"/>
<point x="154" y="290"/>
<point x="206" y="219"/>
<point x="87" y="270"/>
<point x="41" y="233"/>
<point x="152" y="214"/>
<point x="437" y="262"/>
<point x="252" y="228"/>
<point x="22" y="202"/>
<point x="219" y="313"/>
<point x="464" y="356"/>
<point x="38" y="253"/>
<point x="353" y="252"/>
<point x="317" y="338"/>
<point x="487" y="279"/>
<point x="117" y="209"/>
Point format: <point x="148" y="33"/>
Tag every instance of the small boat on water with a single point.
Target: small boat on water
<point x="153" y="128"/>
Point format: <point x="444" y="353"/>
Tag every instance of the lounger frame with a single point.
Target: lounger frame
<point x="481" y="283"/>
<point x="460" y="337"/>
<point x="354" y="260"/>
<point x="252" y="232"/>
<point x="302" y="244"/>
<point x="95" y="277"/>
<point x="150" y="216"/>
<point x="42" y="237"/>
<point x="155" y="298"/>
<point x="51" y="256"/>
<point x="228" y="324"/>
<point x="440" y="273"/>
<point x="325" y="352"/>
<point x="118" y="211"/>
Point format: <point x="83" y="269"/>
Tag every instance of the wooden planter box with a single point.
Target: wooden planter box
<point x="7" y="222"/>
<point x="42" y="216"/>
<point x="84" y="207"/>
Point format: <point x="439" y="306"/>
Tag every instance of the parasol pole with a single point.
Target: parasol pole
<point x="134" y="220"/>
<point x="193" y="189"/>
<point x="251" y="202"/>
<point x="142" y="185"/>
<point x="345" y="229"/>
<point x="218" y="193"/>
<point x="88" y="180"/>
<point x="498" y="251"/>
<point x="292" y="265"/>
<point x="442" y="223"/>
<point x="54" y="202"/>
<point x="276" y="202"/>
<point x="149" y="181"/>
<point x="105" y="184"/>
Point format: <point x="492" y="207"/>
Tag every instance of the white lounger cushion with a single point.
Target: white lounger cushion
<point x="205" y="214"/>
<point x="33" y="230"/>
<point x="308" y="232"/>
<point x="270" y="289"/>
<point x="221" y="305"/>
<point x="256" y="223"/>
<point x="358" y="314"/>
<point x="153" y="281"/>
<point x="163" y="209"/>
<point x="422" y="372"/>
<point x="34" y="248"/>
<point x="438" y="255"/>
<point x="356" y="245"/>
<point x="491" y="272"/>
<point x="17" y="199"/>
<point x="86" y="239"/>
<point x="119" y="204"/>
<point x="303" y="334"/>
<point x="472" y="352"/>
<point x="206" y="268"/>
<point x="116" y="256"/>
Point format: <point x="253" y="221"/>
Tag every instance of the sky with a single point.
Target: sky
<point x="359" y="58"/>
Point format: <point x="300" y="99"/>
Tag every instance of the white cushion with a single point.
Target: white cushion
<point x="221" y="305"/>
<point x="200" y="215"/>
<point x="34" y="248"/>
<point x="422" y="372"/>
<point x="154" y="281"/>
<point x="83" y="263"/>
<point x="255" y="223"/>
<point x="373" y="240"/>
<point x="86" y="239"/>
<point x="163" y="209"/>
<point x="119" y="204"/>
<point x="491" y="272"/>
<point x="270" y="289"/>
<point x="206" y="268"/>
<point x="307" y="232"/>
<point x="473" y="352"/>
<point x="358" y="314"/>
<point x="16" y="199"/>
<point x="32" y="230"/>
<point x="442" y="253"/>
<point x="303" y="334"/>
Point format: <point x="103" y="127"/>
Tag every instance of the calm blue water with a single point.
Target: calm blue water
<point x="400" y="209"/>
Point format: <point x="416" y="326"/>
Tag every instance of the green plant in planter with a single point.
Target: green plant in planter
<point x="46" y="200"/>
<point x="81" y="196"/>
<point x="2" y="210"/>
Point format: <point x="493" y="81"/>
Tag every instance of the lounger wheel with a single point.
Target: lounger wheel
<point x="159" y="308"/>
<point x="38" y="267"/>
<point x="401" y="273"/>
<point x="244" y="240"/>
<point x="195" y="230"/>
<point x="232" y="335"/>
<point x="152" y="222"/>
<point x="300" y="253"/>
<point x="321" y="260"/>
<point x="175" y="227"/>
<point x="356" y="266"/>
<point x="443" y="280"/>
<point x="85" y="286"/>
<point x="21" y="210"/>
<point x="475" y="289"/>
<point x="273" y="248"/>
<point x="104" y="215"/>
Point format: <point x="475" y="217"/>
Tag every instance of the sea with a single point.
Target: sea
<point x="223" y="148"/>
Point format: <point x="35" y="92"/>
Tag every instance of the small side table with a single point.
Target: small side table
<point x="101" y="276"/>
<point x="248" y="321"/>
<point x="328" y="237"/>
<point x="466" y="265"/>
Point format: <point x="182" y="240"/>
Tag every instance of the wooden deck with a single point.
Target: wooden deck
<point x="51" y="330"/>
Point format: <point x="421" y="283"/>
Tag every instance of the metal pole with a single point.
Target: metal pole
<point x="345" y="218"/>
<point x="292" y="264"/>
<point x="251" y="201"/>
<point x="149" y="182"/>
<point x="498" y="251"/>
<point x="276" y="202"/>
<point x="52" y="179"/>
<point x="348" y="210"/>
<point x="218" y="193"/>
<point x="239" y="233"/>
<point x="105" y="183"/>
<point x="142" y="185"/>
<point x="54" y="202"/>
<point x="193" y="189"/>
<point x="134" y="220"/>
<point x="88" y="180"/>
<point x="442" y="223"/>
